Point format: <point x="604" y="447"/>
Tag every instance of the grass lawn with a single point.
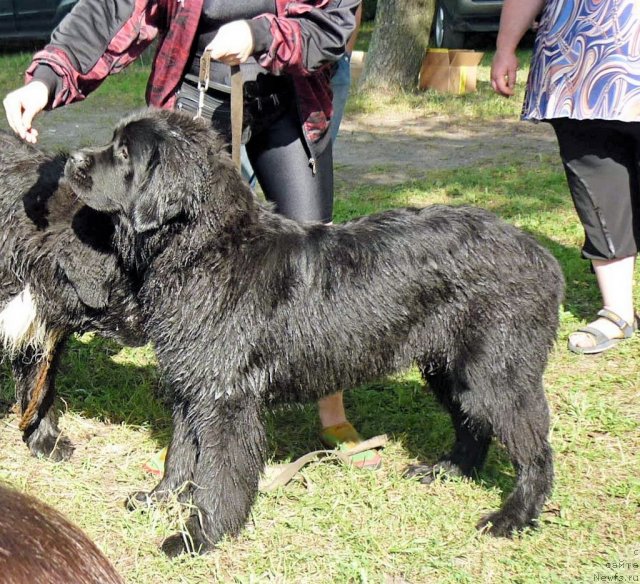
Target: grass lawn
<point x="336" y="524"/>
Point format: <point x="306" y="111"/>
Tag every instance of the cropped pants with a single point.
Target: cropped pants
<point x="602" y="164"/>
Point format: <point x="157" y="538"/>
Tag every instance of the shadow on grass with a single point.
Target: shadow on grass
<point x="93" y="384"/>
<point x="7" y="394"/>
<point x="400" y="407"/>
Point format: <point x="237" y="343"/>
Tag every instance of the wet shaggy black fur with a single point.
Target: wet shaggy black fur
<point x="61" y="250"/>
<point x="248" y="309"/>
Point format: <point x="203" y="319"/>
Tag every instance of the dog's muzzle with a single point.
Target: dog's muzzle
<point x="77" y="167"/>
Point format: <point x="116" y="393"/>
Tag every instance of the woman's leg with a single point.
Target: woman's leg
<point x="615" y="280"/>
<point x="331" y="410"/>
<point x="601" y="163"/>
<point x="299" y="189"/>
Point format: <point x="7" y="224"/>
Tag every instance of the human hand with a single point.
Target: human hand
<point x="22" y="105"/>
<point x="503" y="72"/>
<point x="233" y="44"/>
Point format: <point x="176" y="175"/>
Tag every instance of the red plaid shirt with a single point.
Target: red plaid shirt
<point x="175" y="24"/>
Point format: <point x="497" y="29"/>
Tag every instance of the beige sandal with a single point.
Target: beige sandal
<point x="280" y="474"/>
<point x="602" y="341"/>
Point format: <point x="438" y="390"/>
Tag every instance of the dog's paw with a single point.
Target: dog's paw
<point x="428" y="473"/>
<point x="181" y="543"/>
<point x="146" y="499"/>
<point x="55" y="448"/>
<point x="175" y="545"/>
<point x="501" y="524"/>
<point x="139" y="500"/>
<point x="191" y="541"/>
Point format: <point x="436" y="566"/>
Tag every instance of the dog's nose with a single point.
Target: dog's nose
<point x="80" y="160"/>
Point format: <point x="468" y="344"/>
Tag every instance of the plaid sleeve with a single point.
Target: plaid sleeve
<point x="305" y="36"/>
<point x="129" y="41"/>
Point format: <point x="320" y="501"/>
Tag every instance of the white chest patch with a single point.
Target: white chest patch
<point x="19" y="324"/>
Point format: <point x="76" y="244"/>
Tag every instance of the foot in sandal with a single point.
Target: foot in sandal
<point x="602" y="334"/>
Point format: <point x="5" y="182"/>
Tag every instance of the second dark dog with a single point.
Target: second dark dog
<point x="247" y="309"/>
<point x="58" y="276"/>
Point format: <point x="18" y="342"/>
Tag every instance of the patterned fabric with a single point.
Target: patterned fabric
<point x="173" y="51"/>
<point x="586" y="62"/>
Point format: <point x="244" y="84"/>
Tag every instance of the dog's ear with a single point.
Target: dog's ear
<point x="158" y="198"/>
<point x="90" y="274"/>
<point x="87" y="260"/>
<point x="151" y="210"/>
<point x="146" y="214"/>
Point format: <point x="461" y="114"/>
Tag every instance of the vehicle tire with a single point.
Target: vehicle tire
<point x="444" y="36"/>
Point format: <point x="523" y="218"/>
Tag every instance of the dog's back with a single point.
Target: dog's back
<point x="394" y="275"/>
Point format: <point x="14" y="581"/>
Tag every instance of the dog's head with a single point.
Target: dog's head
<point x="154" y="169"/>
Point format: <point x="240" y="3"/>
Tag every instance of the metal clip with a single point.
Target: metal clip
<point x="203" y="81"/>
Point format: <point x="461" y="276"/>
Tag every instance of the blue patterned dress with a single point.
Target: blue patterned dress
<point x="586" y="62"/>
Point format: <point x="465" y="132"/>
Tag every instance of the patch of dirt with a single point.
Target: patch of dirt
<point x="400" y="147"/>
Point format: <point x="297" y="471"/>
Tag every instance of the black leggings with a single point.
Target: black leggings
<point x="281" y="163"/>
<point x="279" y="158"/>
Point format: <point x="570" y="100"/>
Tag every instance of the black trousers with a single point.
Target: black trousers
<point x="279" y="155"/>
<point x="602" y="164"/>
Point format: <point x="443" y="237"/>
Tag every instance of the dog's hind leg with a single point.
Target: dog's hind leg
<point x="471" y="443"/>
<point x="231" y="455"/>
<point x="508" y="406"/>
<point x="523" y="430"/>
<point x="34" y="372"/>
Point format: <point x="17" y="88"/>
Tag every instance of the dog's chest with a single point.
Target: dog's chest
<point x="20" y="323"/>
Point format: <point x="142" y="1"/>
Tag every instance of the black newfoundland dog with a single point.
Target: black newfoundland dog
<point x="58" y="275"/>
<point x="248" y="309"/>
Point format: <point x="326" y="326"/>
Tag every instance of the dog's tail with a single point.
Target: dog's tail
<point x="21" y="327"/>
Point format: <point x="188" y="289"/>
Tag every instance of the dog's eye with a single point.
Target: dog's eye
<point x="122" y="153"/>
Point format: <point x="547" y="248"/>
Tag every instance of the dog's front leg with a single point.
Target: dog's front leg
<point x="179" y="465"/>
<point x="231" y="455"/>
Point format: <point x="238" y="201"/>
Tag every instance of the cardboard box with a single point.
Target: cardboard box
<point x="450" y="71"/>
<point x="357" y="64"/>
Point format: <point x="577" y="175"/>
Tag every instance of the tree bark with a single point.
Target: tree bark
<point x="398" y="44"/>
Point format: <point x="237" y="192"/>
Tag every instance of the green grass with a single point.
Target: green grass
<point x="336" y="524"/>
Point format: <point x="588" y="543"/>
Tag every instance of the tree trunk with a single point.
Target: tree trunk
<point x="398" y="44"/>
